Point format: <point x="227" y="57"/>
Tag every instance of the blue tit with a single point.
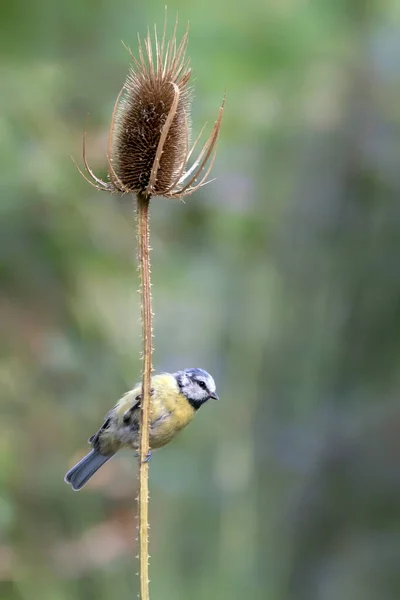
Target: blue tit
<point x="175" y="399"/>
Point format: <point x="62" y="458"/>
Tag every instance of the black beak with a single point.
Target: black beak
<point x="214" y="395"/>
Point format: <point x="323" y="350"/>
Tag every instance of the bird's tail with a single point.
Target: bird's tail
<point x="80" y="474"/>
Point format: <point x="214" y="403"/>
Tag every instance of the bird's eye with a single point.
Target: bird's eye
<point x="202" y="385"/>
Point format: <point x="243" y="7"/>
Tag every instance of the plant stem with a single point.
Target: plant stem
<point x="143" y="202"/>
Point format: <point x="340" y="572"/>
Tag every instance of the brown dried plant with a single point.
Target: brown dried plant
<point x="149" y="138"/>
<point x="148" y="155"/>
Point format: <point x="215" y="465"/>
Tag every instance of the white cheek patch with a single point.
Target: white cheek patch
<point x="185" y="381"/>
<point x="193" y="391"/>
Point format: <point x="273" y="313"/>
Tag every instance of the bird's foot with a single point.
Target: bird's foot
<point x="147" y="457"/>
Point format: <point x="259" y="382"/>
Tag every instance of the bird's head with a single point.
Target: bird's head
<point x="197" y="385"/>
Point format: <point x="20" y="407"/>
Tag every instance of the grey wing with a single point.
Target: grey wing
<point x="94" y="439"/>
<point x="131" y="415"/>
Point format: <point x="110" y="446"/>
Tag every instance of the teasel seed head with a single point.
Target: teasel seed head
<point x="149" y="139"/>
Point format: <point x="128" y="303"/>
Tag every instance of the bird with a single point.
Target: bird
<point x="174" y="400"/>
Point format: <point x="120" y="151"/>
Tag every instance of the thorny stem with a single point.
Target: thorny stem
<point x="143" y="201"/>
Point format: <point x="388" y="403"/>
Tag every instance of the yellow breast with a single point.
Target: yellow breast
<point x="170" y="410"/>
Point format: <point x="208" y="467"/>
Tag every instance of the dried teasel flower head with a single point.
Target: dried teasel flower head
<point x="149" y="140"/>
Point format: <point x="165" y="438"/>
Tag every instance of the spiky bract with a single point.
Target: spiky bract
<point x="148" y="150"/>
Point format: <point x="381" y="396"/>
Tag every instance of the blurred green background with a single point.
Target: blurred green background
<point x="282" y="278"/>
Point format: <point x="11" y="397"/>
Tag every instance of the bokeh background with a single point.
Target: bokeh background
<point x="282" y="278"/>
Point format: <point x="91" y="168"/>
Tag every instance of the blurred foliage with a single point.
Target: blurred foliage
<point x="281" y="278"/>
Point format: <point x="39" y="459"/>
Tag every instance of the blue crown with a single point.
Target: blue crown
<point x="196" y="373"/>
